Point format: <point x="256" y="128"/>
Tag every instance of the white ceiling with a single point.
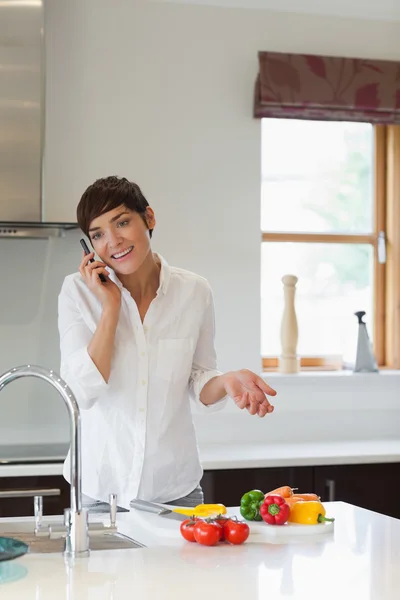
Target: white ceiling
<point x="383" y="10"/>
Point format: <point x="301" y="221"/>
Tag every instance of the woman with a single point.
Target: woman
<point x="133" y="349"/>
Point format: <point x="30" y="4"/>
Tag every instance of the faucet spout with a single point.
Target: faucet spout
<point x="78" y="539"/>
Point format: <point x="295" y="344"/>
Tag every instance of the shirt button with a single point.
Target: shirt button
<point x="143" y="354"/>
<point x="145" y="329"/>
<point x="144" y="382"/>
<point x="141" y="410"/>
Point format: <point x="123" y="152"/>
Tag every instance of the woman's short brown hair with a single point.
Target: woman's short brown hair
<point x="107" y="194"/>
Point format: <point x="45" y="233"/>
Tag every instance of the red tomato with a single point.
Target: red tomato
<point x="207" y="534"/>
<point x="236" y="532"/>
<point x="187" y="530"/>
<point x="221" y="521"/>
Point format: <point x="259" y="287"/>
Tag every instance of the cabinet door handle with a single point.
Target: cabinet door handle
<point x="330" y="486"/>
<point x="29" y="493"/>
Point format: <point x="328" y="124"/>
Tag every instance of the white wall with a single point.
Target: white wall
<point x="161" y="94"/>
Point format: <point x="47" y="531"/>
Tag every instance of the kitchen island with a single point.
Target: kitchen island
<point x="360" y="559"/>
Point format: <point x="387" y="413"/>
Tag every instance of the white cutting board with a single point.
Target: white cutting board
<point x="259" y="531"/>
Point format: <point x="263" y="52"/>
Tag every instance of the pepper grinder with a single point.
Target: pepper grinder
<point x="365" y="359"/>
<point x="289" y="362"/>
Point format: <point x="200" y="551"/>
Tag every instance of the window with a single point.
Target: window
<point x="323" y="214"/>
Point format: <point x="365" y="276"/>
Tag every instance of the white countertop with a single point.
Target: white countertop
<point x="359" y="560"/>
<point x="242" y="456"/>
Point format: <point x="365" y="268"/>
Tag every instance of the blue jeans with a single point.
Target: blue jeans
<point x="191" y="500"/>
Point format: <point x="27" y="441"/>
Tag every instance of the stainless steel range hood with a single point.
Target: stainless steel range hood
<point x="22" y="123"/>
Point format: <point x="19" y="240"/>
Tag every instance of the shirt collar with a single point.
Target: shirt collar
<point x="165" y="275"/>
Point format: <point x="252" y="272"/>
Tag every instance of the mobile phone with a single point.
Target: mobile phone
<point x="87" y="251"/>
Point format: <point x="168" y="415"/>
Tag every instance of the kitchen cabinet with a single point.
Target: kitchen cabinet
<point x="228" y="485"/>
<point x="369" y="486"/>
<point x="355" y="484"/>
<point x="23" y="506"/>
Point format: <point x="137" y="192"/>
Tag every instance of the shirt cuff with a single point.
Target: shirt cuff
<point x="83" y="377"/>
<point x="199" y="378"/>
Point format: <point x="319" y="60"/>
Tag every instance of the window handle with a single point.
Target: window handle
<point x="382" y="248"/>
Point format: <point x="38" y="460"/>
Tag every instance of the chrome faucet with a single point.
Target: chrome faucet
<point x="77" y="540"/>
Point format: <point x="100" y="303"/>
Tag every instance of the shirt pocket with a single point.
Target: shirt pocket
<point x="174" y="359"/>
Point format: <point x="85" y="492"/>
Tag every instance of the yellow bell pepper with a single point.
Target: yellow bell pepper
<point x="203" y="510"/>
<point x="309" y="512"/>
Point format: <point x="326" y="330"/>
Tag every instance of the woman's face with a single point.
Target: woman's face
<point x="121" y="239"/>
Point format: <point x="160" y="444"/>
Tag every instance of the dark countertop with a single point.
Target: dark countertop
<point x="35" y="453"/>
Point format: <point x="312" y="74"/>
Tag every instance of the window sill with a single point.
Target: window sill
<point x="309" y="372"/>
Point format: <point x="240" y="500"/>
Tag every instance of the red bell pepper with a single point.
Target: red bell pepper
<point x="275" y="510"/>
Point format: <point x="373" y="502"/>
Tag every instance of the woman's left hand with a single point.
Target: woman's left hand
<point x="248" y="390"/>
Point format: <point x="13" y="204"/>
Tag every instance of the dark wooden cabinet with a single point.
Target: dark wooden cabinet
<point x="23" y="507"/>
<point x="228" y="485"/>
<point x="369" y="486"/>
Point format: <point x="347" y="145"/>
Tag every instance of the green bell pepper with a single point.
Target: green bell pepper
<point x="250" y="505"/>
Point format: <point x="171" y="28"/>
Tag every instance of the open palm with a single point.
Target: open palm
<point x="248" y="390"/>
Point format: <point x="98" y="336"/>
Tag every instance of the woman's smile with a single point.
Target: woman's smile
<point x="122" y="254"/>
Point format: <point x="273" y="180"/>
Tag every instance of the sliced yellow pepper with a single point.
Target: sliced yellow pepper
<point x="202" y="510"/>
<point x="308" y="512"/>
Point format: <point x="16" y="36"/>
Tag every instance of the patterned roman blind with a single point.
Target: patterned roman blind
<point x="326" y="88"/>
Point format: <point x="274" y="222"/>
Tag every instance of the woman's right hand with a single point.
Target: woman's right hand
<point x="108" y="293"/>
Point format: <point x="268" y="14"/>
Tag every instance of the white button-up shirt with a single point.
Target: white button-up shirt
<point x="138" y="436"/>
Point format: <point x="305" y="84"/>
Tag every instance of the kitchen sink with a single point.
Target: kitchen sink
<point x="44" y="545"/>
<point x="46" y="542"/>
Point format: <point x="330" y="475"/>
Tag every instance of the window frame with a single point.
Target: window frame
<point x="386" y="209"/>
